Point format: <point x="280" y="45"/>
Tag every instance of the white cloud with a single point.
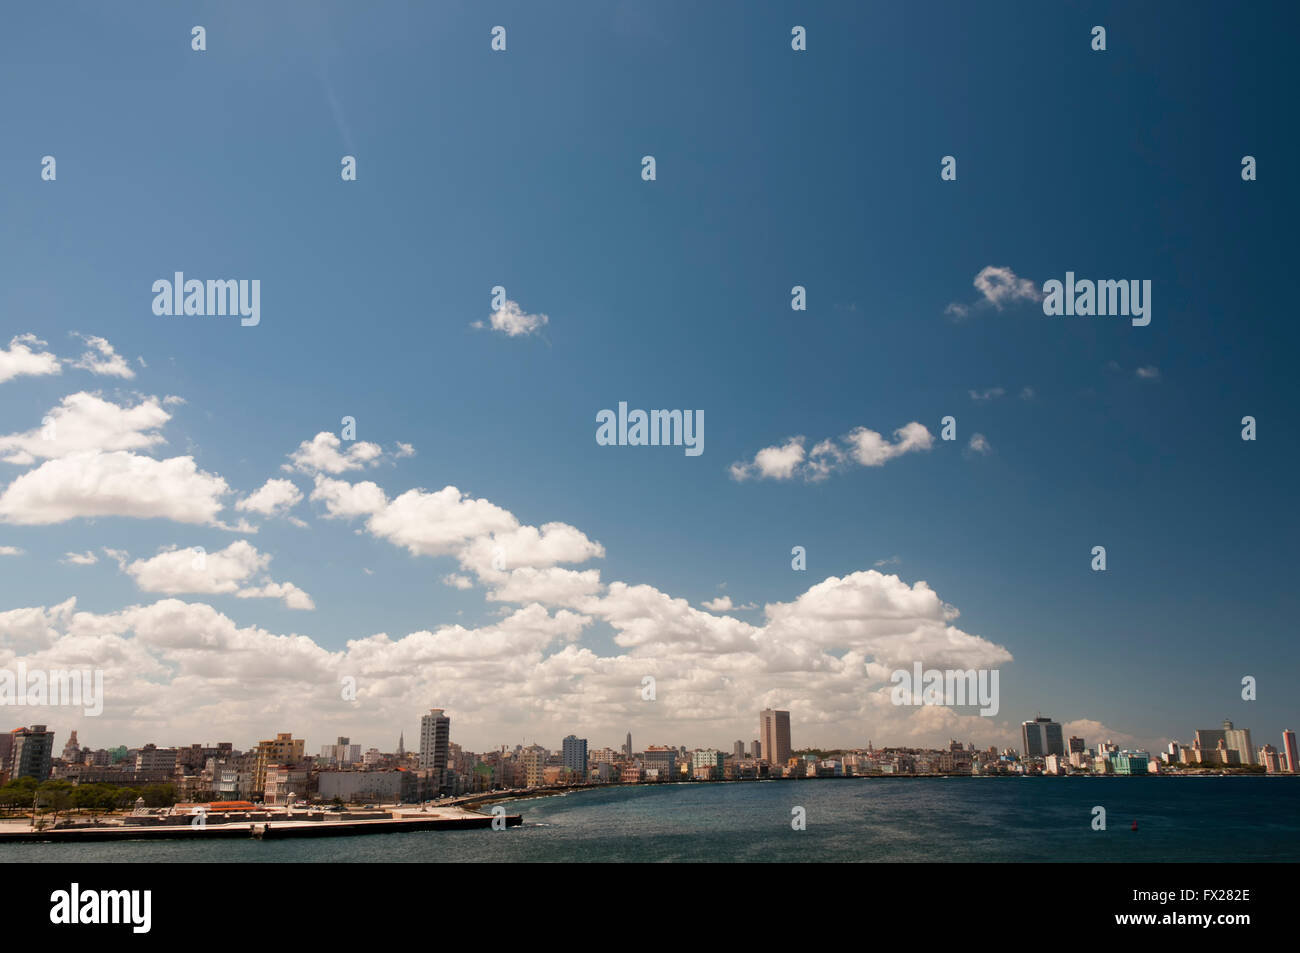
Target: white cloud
<point x="987" y="394"/>
<point x="979" y="444"/>
<point x="83" y="422"/>
<point x="23" y="359"/>
<point x="513" y="321"/>
<point x="10" y="551"/>
<point x="273" y="498"/>
<point x="294" y="598"/>
<point x="1148" y="373"/>
<point x="227" y="571"/>
<point x="1001" y="286"/>
<point x="177" y="571"/>
<point x="321" y="455"/>
<point x="87" y="558"/>
<point x="775" y="463"/>
<point x="113" y="484"/>
<point x="862" y="446"/>
<point x="998" y="286"/>
<point x="871" y="450"/>
<point x="102" y="358"/>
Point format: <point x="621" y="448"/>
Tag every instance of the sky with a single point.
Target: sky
<point x="473" y="547"/>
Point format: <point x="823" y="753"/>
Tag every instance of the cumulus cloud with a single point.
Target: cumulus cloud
<point x="94" y="484"/>
<point x="861" y="445"/>
<point x="10" y="551"/>
<point x="1148" y="373"/>
<point x="273" y="498"/>
<point x="512" y="321"/>
<point x="998" y="286"/>
<point x="25" y="357"/>
<point x="227" y="571"/>
<point x="979" y="444"/>
<point x="774" y="463"/>
<point x="102" y="359"/>
<point x="321" y="454"/>
<point x="85" y="422"/>
<point x="518" y="562"/>
<point x="87" y="558"/>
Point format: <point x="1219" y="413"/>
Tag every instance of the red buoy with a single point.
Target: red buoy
<point x="1135" y="826"/>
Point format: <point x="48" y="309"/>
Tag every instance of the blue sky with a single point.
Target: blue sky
<point x="774" y="168"/>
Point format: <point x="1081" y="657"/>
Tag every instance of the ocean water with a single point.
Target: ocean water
<point x="876" y="820"/>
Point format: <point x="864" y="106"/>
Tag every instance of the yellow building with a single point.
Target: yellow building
<point x="285" y="749"/>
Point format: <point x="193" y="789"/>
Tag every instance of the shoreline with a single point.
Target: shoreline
<point x="399" y="822"/>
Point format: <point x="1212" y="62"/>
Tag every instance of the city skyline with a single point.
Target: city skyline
<point x="379" y="480"/>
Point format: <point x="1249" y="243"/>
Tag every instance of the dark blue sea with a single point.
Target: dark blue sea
<point x="1208" y="819"/>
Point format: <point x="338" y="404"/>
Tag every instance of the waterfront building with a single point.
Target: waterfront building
<point x="575" y="755"/>
<point x="1289" y="749"/>
<point x="1076" y="745"/>
<point x="774" y="732"/>
<point x="1131" y="762"/>
<point x="435" y="740"/>
<point x="1042" y="737"/>
<point x="707" y="764"/>
<point x="755" y="750"/>
<point x="284" y="749"/>
<point x="1268" y="757"/>
<point x="31" y="752"/>
<point x="1229" y="738"/>
<point x="285" y="783"/>
<point x="534" y="762"/>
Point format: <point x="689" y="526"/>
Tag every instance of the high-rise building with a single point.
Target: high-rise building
<point x="1042" y="737"/>
<point x="435" y="740"/>
<point x="627" y="747"/>
<point x="342" y="751"/>
<point x="1269" y="759"/>
<point x="534" y="760"/>
<point x="1234" y="739"/>
<point x="1238" y="739"/>
<point x="285" y="750"/>
<point x="1289" y="750"/>
<point x="31" y="751"/>
<point x="738" y="751"/>
<point x="1076" y="745"/>
<point x="575" y="755"/>
<point x="774" y="732"/>
<point x="755" y="749"/>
